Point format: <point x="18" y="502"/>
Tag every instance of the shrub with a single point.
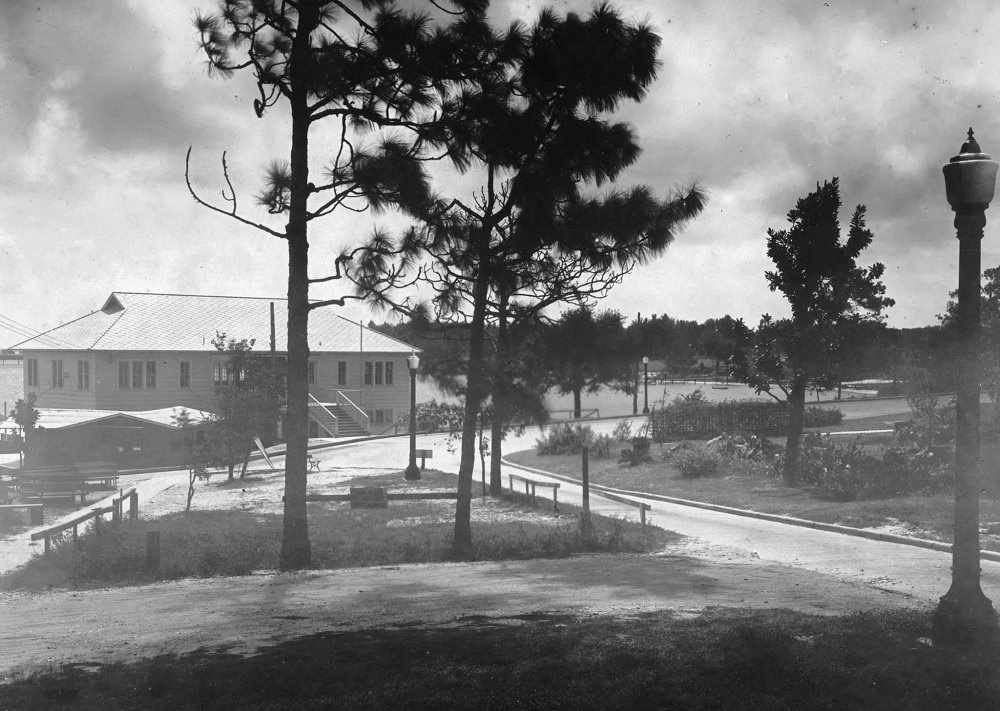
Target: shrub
<point x="564" y="438"/>
<point x="601" y="446"/>
<point x="849" y="472"/>
<point x="822" y="416"/>
<point x="435" y="416"/>
<point x="697" y="463"/>
<point x="622" y="431"/>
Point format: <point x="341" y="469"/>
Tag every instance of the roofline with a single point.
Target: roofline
<point x="45" y="333"/>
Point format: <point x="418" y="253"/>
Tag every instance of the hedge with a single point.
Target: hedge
<point x="700" y="419"/>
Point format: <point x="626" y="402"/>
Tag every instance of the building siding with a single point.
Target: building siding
<point x="105" y="393"/>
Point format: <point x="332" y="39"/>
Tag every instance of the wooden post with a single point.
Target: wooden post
<point x="585" y="514"/>
<point x="152" y="550"/>
<point x="37" y="516"/>
<point x="133" y="507"/>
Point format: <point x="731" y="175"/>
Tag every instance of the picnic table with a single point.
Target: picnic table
<point x="66" y="481"/>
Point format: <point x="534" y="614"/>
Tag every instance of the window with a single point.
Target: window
<point x="83" y="375"/>
<point x="32" y="369"/>
<point x="123" y="375"/>
<point x="378" y="372"/>
<point x="342" y="372"/>
<point x="220" y="373"/>
<point x="57" y="373"/>
<point x="136" y="374"/>
<point x="185" y="374"/>
<point x="312" y="372"/>
<point x="150" y="374"/>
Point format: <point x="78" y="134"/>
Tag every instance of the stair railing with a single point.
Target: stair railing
<point x="353" y="411"/>
<point x="314" y="403"/>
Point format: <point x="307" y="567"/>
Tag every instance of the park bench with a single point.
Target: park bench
<point x="312" y="462"/>
<point x="56" y="482"/>
<point x="529" y="488"/>
<point x="98" y="476"/>
<point x="66" y="481"/>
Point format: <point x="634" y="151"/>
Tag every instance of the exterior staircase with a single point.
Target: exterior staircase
<point x="348" y="427"/>
<point x="334" y="419"/>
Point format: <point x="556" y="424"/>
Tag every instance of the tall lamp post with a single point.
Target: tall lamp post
<point x="965" y="613"/>
<point x="412" y="470"/>
<point x="645" y="385"/>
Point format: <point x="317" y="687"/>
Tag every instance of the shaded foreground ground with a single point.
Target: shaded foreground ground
<point x="724" y="659"/>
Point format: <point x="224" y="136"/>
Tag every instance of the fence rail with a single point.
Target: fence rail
<point x="115" y="509"/>
<point x="593" y="413"/>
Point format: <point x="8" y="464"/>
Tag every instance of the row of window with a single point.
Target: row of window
<point x="141" y="374"/>
<point x="59" y="376"/>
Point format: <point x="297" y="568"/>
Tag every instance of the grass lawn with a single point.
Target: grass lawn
<point x="234" y="541"/>
<point x="928" y="516"/>
<point x="724" y="659"/>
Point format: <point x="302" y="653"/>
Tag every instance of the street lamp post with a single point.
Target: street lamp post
<point x="965" y="613"/>
<point x="645" y="385"/>
<point x="412" y="470"/>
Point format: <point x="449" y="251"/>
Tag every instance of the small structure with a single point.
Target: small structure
<point x="128" y="440"/>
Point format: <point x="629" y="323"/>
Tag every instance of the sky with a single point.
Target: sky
<point x="756" y="102"/>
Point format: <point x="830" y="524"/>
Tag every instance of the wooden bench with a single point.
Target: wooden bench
<point x="312" y="463"/>
<point x="424" y="455"/>
<point x="59" y="482"/>
<point x="36" y="511"/>
<point x="98" y="475"/>
<point x="529" y="489"/>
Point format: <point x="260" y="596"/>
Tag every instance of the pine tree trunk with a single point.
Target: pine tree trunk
<point x="295" y="548"/>
<point x="500" y="398"/>
<point x="796" y="422"/>
<point x="475" y="387"/>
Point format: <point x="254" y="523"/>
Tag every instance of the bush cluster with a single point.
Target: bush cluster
<point x="694" y="417"/>
<point x="435" y="416"/>
<point x="849" y="472"/>
<point x="564" y="438"/>
<point x="697" y="463"/>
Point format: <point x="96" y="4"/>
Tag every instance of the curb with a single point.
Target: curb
<point x="774" y="518"/>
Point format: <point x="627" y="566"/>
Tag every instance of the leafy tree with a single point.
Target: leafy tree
<point x="354" y="67"/>
<point x="583" y="353"/>
<point x="828" y="294"/>
<point x="250" y="400"/>
<point x="25" y="414"/>
<point x="989" y="333"/>
<point x="197" y="450"/>
<point x="723" y="339"/>
<point x="534" y="128"/>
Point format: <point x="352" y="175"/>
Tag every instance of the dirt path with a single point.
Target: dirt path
<point x="244" y="613"/>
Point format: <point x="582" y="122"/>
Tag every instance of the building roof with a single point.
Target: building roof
<point x="132" y="321"/>
<point x="54" y="418"/>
